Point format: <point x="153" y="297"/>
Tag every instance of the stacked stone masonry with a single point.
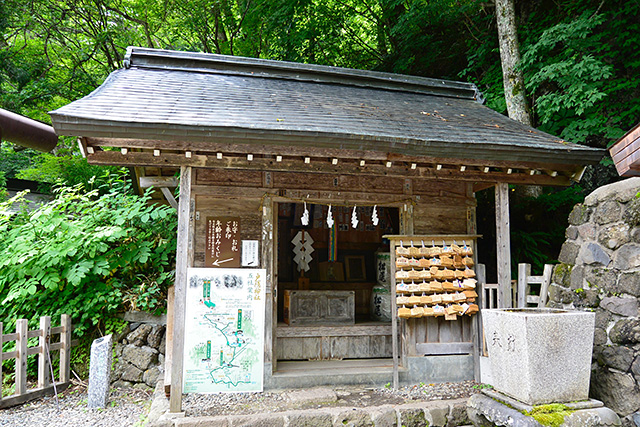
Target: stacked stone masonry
<point x="599" y="271"/>
<point x="139" y="354"/>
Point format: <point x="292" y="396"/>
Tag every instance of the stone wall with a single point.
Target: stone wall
<point x="600" y="271"/>
<point x="139" y="351"/>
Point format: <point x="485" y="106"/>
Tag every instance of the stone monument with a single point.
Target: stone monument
<point x="540" y="364"/>
<point x="100" y="372"/>
<point x="540" y="355"/>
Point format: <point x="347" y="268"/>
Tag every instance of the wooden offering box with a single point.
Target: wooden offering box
<point x="319" y="307"/>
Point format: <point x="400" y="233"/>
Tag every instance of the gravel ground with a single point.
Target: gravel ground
<point x="126" y="407"/>
<point x="129" y="407"/>
<point x="250" y="403"/>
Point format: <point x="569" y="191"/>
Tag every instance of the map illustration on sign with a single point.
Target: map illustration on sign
<point x="224" y="330"/>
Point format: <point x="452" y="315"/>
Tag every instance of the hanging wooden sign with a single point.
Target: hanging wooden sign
<point x="222" y="242"/>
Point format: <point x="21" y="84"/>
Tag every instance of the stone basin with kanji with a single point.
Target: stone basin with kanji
<point x="540" y="355"/>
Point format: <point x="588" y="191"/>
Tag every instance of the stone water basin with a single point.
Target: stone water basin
<point x="540" y="355"/>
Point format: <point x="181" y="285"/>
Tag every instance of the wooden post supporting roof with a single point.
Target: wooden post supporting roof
<point x="503" y="244"/>
<point x="182" y="263"/>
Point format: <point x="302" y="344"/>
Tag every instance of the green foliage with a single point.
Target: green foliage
<point x="538" y="226"/>
<point x="579" y="59"/>
<point x="3" y="187"/>
<point x="86" y="255"/>
<point x="70" y="171"/>
<point x="482" y="386"/>
<point x="569" y="83"/>
<point x="581" y="79"/>
<point x="552" y="415"/>
<point x="114" y="325"/>
<point x="13" y="160"/>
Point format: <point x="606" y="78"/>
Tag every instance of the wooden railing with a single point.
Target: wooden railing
<point x="43" y="349"/>
<point x="533" y="296"/>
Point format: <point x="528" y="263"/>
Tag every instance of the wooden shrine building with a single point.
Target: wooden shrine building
<point x="268" y="142"/>
<point x="626" y="153"/>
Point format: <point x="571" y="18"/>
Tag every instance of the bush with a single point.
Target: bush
<point x="86" y="255"/>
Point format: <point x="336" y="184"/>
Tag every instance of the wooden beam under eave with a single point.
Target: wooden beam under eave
<point x="255" y="148"/>
<point x="159" y="181"/>
<point x="263" y="164"/>
<point x="503" y="244"/>
<point x="169" y="196"/>
<point x="259" y="148"/>
<point x="479" y="186"/>
<point x="314" y="152"/>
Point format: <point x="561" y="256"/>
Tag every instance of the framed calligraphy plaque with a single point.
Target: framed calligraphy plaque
<point x="222" y="242"/>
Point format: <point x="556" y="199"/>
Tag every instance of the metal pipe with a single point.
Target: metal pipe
<point x="26" y="132"/>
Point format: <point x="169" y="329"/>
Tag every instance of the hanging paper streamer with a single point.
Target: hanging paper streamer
<point x="354" y="218"/>
<point x="304" y="219"/>
<point x="374" y="216"/>
<point x="302" y="248"/>
<point x="333" y="243"/>
<point x="330" y="218"/>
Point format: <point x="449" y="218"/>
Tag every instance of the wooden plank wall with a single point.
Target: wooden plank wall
<point x="438" y="330"/>
<point x="626" y="153"/>
<point x="334" y="342"/>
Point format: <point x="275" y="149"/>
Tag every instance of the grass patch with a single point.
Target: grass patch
<point x="552" y="415"/>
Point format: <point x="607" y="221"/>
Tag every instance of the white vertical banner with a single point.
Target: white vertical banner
<point x="224" y="330"/>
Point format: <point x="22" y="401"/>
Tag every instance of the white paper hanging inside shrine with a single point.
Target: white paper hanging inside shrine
<point x="302" y="249"/>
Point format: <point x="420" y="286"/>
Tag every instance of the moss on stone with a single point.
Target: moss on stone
<point x="632" y="212"/>
<point x="552" y="415"/>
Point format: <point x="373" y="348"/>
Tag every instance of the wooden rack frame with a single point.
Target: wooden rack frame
<point x="395" y="241"/>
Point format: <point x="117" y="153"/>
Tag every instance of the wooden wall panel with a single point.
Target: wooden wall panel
<point x="228" y="177"/>
<point x="431" y="218"/>
<point x="292" y="180"/>
<point x="438" y="330"/>
<point x="439" y="188"/>
<point x="333" y="347"/>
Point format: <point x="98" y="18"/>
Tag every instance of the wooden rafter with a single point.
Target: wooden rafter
<point x="439" y="171"/>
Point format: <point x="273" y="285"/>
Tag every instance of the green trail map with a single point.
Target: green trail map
<point x="224" y="330"/>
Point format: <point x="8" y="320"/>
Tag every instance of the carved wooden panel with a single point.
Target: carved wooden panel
<point x="319" y="307"/>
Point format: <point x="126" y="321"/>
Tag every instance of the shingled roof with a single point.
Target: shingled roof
<point x="185" y="96"/>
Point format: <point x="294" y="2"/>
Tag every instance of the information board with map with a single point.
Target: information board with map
<point x="224" y="330"/>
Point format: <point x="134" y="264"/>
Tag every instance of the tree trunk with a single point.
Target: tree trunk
<point x="510" y="58"/>
<point x="512" y="77"/>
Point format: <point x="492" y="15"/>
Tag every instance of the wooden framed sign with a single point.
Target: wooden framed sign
<point x="222" y="242"/>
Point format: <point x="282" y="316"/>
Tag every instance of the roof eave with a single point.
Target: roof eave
<point x="570" y="155"/>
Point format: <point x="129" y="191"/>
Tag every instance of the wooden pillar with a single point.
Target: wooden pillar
<point x="524" y="271"/>
<point x="503" y="245"/>
<point x="180" y="288"/>
<point x="22" y="328"/>
<point x="44" y="379"/>
<point x="65" y="349"/>
<point x="168" y="350"/>
<point x="269" y="264"/>
<point x="394" y="317"/>
<point x="406" y="219"/>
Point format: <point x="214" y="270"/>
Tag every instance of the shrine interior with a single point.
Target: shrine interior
<point x="341" y="284"/>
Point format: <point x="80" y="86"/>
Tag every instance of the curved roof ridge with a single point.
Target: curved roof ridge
<point x="140" y="57"/>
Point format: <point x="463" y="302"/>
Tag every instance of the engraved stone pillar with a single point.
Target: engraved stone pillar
<point x="100" y="372"/>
